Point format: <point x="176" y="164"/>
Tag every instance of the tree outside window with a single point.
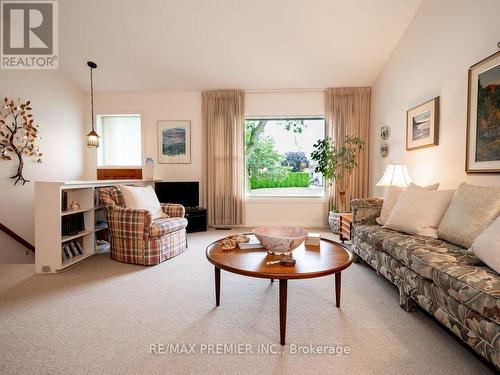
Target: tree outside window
<point x="278" y="161"/>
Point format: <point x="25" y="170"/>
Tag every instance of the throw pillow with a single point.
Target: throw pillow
<point x="138" y="197"/>
<point x="391" y="196"/>
<point x="472" y="209"/>
<point x="486" y="248"/>
<point x="419" y="211"/>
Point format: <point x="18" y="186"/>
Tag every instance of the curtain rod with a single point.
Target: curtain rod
<point x="282" y="90"/>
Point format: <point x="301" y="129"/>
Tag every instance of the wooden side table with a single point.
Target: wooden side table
<point x="345" y="228"/>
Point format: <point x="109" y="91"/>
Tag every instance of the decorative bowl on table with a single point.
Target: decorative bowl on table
<point x="280" y="240"/>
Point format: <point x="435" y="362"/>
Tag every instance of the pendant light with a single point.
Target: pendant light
<point x="92" y="137"/>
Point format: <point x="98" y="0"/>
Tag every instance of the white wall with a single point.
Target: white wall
<point x="57" y="105"/>
<point x="308" y="212"/>
<point x="444" y="39"/>
<point x="154" y="107"/>
<point x="187" y="106"/>
<point x="12" y="252"/>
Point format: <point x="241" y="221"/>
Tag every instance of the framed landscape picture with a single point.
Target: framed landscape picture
<point x="483" y="117"/>
<point x="174" y="142"/>
<point x="422" y="125"/>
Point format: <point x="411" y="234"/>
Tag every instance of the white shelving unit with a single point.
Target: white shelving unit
<point x="48" y="220"/>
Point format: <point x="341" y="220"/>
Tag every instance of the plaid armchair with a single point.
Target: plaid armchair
<point x="135" y="237"/>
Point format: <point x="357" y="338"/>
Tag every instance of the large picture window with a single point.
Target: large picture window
<point x="278" y="156"/>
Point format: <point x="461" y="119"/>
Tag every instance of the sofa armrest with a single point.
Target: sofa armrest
<point x="128" y="223"/>
<point x="366" y="210"/>
<point x="173" y="209"/>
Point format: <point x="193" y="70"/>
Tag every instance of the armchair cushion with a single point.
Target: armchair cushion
<point x="142" y="197"/>
<point x="161" y="227"/>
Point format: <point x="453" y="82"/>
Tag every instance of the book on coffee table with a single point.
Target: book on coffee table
<point x="252" y="244"/>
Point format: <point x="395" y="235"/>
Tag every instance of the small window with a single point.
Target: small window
<point x="121" y="144"/>
<point x="278" y="157"/>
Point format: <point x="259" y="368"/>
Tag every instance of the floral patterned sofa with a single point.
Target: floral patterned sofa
<point x="446" y="280"/>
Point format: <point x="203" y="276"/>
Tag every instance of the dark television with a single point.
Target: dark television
<point x="185" y="193"/>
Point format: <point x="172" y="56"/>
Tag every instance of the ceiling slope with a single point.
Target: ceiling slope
<point x="167" y="45"/>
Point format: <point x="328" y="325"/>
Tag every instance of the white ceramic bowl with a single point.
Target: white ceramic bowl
<point x="280" y="240"/>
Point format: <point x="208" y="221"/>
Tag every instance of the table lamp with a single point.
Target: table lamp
<point x="395" y="175"/>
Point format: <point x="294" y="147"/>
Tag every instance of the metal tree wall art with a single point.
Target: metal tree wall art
<point x="18" y="135"/>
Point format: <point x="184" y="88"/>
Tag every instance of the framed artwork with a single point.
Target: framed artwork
<point x="422" y="125"/>
<point x="174" y="142"/>
<point x="483" y="117"/>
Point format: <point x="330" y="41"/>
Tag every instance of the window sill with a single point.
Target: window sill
<point x="284" y="199"/>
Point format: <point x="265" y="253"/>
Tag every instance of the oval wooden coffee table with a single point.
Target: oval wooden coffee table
<point x="330" y="258"/>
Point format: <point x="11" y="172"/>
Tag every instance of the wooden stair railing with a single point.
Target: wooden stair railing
<point x="17" y="237"/>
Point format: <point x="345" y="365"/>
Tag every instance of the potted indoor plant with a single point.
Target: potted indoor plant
<point x="336" y="163"/>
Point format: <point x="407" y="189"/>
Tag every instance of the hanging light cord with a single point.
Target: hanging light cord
<point x="92" y="97"/>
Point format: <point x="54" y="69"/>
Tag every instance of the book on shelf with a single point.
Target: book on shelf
<point x="97" y="200"/>
<point x="252" y="244"/>
<point x="66" y="252"/>
<point x="79" y="248"/>
<point x="64" y="255"/>
<point x="72" y="224"/>
<point x="101" y="245"/>
<point x="64" y="201"/>
<point x="74" y="249"/>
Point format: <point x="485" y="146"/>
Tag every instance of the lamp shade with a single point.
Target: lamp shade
<point x="92" y="139"/>
<point x="395" y="175"/>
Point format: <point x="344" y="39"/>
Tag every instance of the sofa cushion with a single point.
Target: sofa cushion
<point x="161" y="227"/>
<point x="419" y="211"/>
<point x="391" y="196"/>
<point x="486" y="246"/>
<point x="472" y="209"/>
<point x="421" y="254"/>
<point x="477" y="287"/>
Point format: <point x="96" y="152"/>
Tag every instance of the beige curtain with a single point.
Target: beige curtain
<point x="223" y="123"/>
<point x="348" y="113"/>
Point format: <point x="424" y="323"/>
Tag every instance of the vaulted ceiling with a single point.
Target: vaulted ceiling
<point x="184" y="45"/>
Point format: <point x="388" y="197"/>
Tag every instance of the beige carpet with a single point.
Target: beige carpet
<point x="102" y="317"/>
